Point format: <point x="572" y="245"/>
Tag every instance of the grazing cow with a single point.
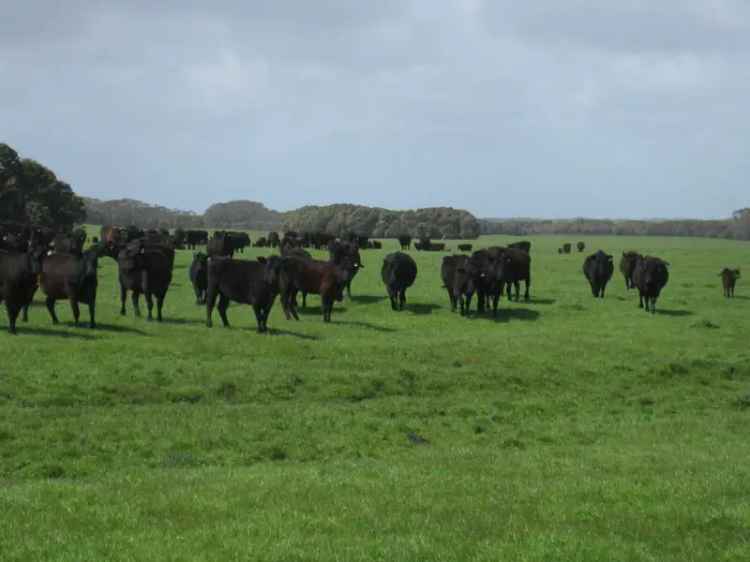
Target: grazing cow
<point x="512" y="265"/>
<point x="220" y="245"/>
<point x="728" y="280"/>
<point x="458" y="282"/>
<point x="199" y="276"/>
<point x="628" y="262"/>
<point x="650" y="276"/>
<point x="326" y="279"/>
<point x="72" y="277"/>
<point x="346" y="253"/>
<point x="195" y="238"/>
<point x="148" y="270"/>
<point x="405" y="241"/>
<point x="524" y="245"/>
<point x="239" y="241"/>
<point x="465" y="247"/>
<point x="260" y="242"/>
<point x="247" y="282"/>
<point x="398" y="272"/>
<point x="566" y="248"/>
<point x="18" y="282"/>
<point x="581" y="246"/>
<point x="598" y="269"/>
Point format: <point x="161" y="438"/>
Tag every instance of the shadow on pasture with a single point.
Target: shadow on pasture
<point x="505" y="314"/>
<point x="360" y="324"/>
<point x="422" y="308"/>
<point x="540" y="301"/>
<point x="367" y="299"/>
<point x="317" y="310"/>
<point x="739" y="297"/>
<point x="673" y="312"/>
<point x="184" y="321"/>
<point x="117" y="329"/>
<point x="279" y="332"/>
<point x="84" y="333"/>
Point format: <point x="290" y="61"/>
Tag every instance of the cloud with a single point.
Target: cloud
<point x="504" y="108"/>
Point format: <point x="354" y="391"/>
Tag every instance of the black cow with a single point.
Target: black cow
<point x="465" y="247"/>
<point x="199" y="276"/>
<point x="458" y="282"/>
<point x="728" y="280"/>
<point x="220" y="245"/>
<point x="346" y="254"/>
<point x="628" y="262"/>
<point x="566" y="248"/>
<point x="239" y="241"/>
<point x="148" y="270"/>
<point x="70" y="243"/>
<point x="195" y="238"/>
<point x="260" y="242"/>
<point x="247" y="282"/>
<point x="398" y="272"/>
<point x="598" y="269"/>
<point x="512" y="265"/>
<point x="273" y="239"/>
<point x="650" y="276"/>
<point x="71" y="277"/>
<point x="405" y="241"/>
<point x="482" y="268"/>
<point x="524" y="245"/>
<point x="326" y="279"/>
<point x="18" y="282"/>
<point x="581" y="246"/>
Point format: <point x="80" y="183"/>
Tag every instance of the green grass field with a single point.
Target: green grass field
<point x="568" y="428"/>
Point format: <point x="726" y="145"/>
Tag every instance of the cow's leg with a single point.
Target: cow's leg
<point x="211" y="294"/>
<point x="349" y="288"/>
<point x="123" y="297"/>
<point x="92" y="313"/>
<point x="76" y="310"/>
<point x="25" y="316"/>
<point x="452" y="299"/>
<point x="402" y="297"/>
<point x="327" y="306"/>
<point x="150" y="304"/>
<point x="640" y="299"/>
<point x="304" y="299"/>
<point x="51" y="308"/>
<point x="527" y="283"/>
<point x="392" y="296"/>
<point x="258" y="310"/>
<point x="198" y="294"/>
<point x="13" y="311"/>
<point x="136" y="305"/>
<point x="495" y="300"/>
<point x="159" y="306"/>
<point x="223" y="305"/>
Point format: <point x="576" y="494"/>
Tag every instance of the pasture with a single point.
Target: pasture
<point x="568" y="428"/>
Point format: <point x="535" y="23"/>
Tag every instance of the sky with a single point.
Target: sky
<point x="547" y="109"/>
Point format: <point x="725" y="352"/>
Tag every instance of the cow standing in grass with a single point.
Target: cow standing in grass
<point x="199" y="276"/>
<point x="398" y="272"/>
<point x="71" y="277"/>
<point x="322" y="278"/>
<point x="145" y="269"/>
<point x="458" y="282"/>
<point x="729" y="280"/>
<point x="650" y="276"/>
<point x="18" y="282"/>
<point x="628" y="261"/>
<point x="598" y="269"/>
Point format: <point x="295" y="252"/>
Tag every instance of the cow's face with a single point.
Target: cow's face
<point x="90" y="263"/>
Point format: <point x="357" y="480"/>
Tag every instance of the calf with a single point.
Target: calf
<point x="398" y="272"/>
<point x="148" y="270"/>
<point x="650" y="277"/>
<point x="199" y="276"/>
<point x="247" y="282"/>
<point x="458" y="282"/>
<point x="326" y="279"/>
<point x="728" y="280"/>
<point x="18" y="276"/>
<point x="598" y="269"/>
<point x="628" y="262"/>
<point x="72" y="277"/>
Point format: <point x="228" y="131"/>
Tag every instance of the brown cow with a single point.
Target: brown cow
<point x="728" y="280"/>
<point x="310" y="276"/>
<point x="72" y="277"/>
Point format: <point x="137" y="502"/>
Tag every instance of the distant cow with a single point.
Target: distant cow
<point x="598" y="269"/>
<point x="628" y="262"/>
<point x="650" y="277"/>
<point x="18" y="282"/>
<point x="405" y="241"/>
<point x="148" y="270"/>
<point x="728" y="280"/>
<point x="465" y="247"/>
<point x="260" y="242"/>
<point x="195" y="238"/>
<point x="398" y="272"/>
<point x="458" y="282"/>
<point x="524" y="245"/>
<point x="273" y="239"/>
<point x="220" y="245"/>
<point x="72" y="277"/>
<point x="247" y="282"/>
<point x="239" y="241"/>
<point x="310" y="276"/>
<point x="581" y="246"/>
<point x="199" y="276"/>
<point x="566" y="248"/>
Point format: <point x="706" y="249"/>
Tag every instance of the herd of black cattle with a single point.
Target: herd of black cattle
<point x="32" y="257"/>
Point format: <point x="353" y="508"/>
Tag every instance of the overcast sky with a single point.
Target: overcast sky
<point x="547" y="108"/>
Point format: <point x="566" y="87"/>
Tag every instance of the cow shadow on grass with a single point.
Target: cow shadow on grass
<point x="507" y="314"/>
<point x="360" y="324"/>
<point x="367" y="299"/>
<point x="535" y="300"/>
<point x="422" y="308"/>
<point x="117" y="329"/>
<point x="183" y="321"/>
<point x="51" y="332"/>
<point x="673" y="312"/>
<point x="739" y="297"/>
<point x="317" y="310"/>
<point x="281" y="332"/>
